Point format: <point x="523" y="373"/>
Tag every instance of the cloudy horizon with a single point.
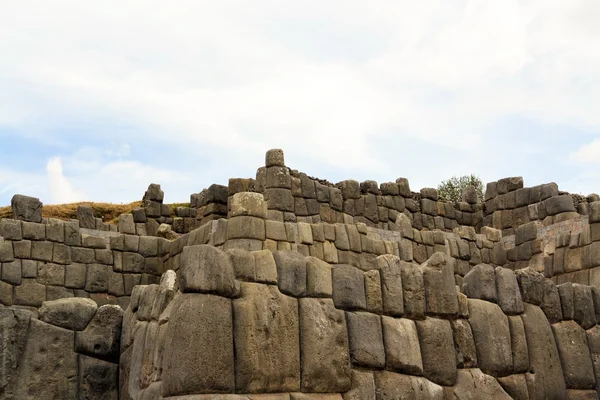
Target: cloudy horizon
<point x="99" y="100"/>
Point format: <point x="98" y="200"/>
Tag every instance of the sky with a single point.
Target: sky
<point x="98" y="100"/>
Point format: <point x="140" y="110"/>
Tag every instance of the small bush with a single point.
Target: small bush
<point x="452" y="189"/>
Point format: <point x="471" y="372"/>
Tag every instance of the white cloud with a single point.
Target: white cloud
<point x="323" y="80"/>
<point x="60" y="188"/>
<point x="588" y="153"/>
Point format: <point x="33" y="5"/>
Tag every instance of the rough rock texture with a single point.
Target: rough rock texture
<point x="198" y="356"/>
<point x="543" y="356"/>
<point x="266" y="326"/>
<point x="71" y="313"/>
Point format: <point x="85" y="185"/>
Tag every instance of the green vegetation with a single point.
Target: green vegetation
<point x="452" y="189"/>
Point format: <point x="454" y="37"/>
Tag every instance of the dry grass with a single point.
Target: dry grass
<point x="107" y="211"/>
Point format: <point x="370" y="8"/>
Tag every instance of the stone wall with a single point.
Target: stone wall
<point x="290" y="287"/>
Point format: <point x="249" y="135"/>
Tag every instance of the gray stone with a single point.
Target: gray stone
<point x="14" y="325"/>
<point x="492" y="337"/>
<point x="559" y="204"/>
<point x="26" y="208"/>
<point x="437" y="351"/>
<point x="265" y="327"/>
<point x="101" y="337"/>
<point x="480" y="283"/>
<point x="206" y="269"/>
<point x="51" y="274"/>
<point x="97" y="278"/>
<point x="543" y="356"/>
<point x="593" y="339"/>
<point x="509" y="295"/>
<point x="318" y="278"/>
<point x="274" y="157"/>
<point x="389" y="267"/>
<point x="48" y="367"/>
<point x="366" y="340"/>
<point x="565" y="292"/>
<point x="154" y="193"/>
<point x="413" y="290"/>
<point x="324" y="347"/>
<point x="349" y="288"/>
<point x="583" y="305"/>
<point x="515" y="386"/>
<point x="34" y="230"/>
<point x="72" y="313"/>
<point x="473" y="384"/>
<point x="440" y="290"/>
<point x="363" y="386"/>
<point x="575" y="358"/>
<point x="12" y="272"/>
<point x="373" y="292"/>
<point x="42" y="251"/>
<point x="6" y="251"/>
<point x="531" y="285"/>
<point x="518" y="343"/>
<point x="85" y="215"/>
<point x="11" y="229"/>
<point x="247" y="204"/>
<point x="551" y="302"/>
<point x="392" y="386"/>
<point x="132" y="262"/>
<point x="30" y="293"/>
<point x="75" y="275"/>
<point x="291" y="272"/>
<point x="464" y="344"/>
<point x="402" y="350"/>
<point x="98" y="380"/>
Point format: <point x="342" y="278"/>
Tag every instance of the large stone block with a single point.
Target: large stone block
<point x="392" y="386"/>
<point x="389" y="267"/>
<point x="593" y="339"/>
<point x="518" y="343"/>
<point x="97" y="278"/>
<point x="402" y="350"/>
<point x="206" y="269"/>
<point x="279" y="199"/>
<point x="30" y="293"/>
<point x="543" y="356"/>
<point x="575" y="358"/>
<point x="48" y="367"/>
<point x="363" y="386"/>
<point x="437" y="351"/>
<point x="26" y="208"/>
<point x="413" y="290"/>
<point x="72" y="313"/>
<point x="247" y="204"/>
<point x="474" y="384"/>
<point x="291" y="272"/>
<point x="583" y="305"/>
<point x="531" y="285"/>
<point x="318" y="278"/>
<point x="198" y="356"/>
<point x="492" y="337"/>
<point x="480" y="283"/>
<point x="324" y="347"/>
<point x="98" y="380"/>
<point x="440" y="289"/>
<point x="102" y="336"/>
<point x="267" y="343"/>
<point x="466" y="353"/>
<point x="349" y="288"/>
<point x="509" y="295"/>
<point x="366" y="340"/>
<point x="244" y="227"/>
<point x="14" y="326"/>
<point x="559" y="204"/>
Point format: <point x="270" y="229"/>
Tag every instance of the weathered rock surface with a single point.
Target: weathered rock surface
<point x="71" y="313"/>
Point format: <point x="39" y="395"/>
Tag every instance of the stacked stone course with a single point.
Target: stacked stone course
<point x="288" y="287"/>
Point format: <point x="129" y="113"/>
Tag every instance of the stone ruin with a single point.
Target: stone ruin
<point x="286" y="287"/>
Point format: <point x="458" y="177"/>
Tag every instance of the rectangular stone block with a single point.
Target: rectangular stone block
<point x="244" y="227"/>
<point x="267" y="350"/>
<point x="402" y="350"/>
<point x="199" y="357"/>
<point x="324" y="347"/>
<point x="366" y="340"/>
<point x="348" y="288"/>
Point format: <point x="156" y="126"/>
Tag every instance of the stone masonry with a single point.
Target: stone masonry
<point x="287" y="287"/>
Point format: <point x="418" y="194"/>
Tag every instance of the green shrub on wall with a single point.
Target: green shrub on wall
<point x="452" y="189"/>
